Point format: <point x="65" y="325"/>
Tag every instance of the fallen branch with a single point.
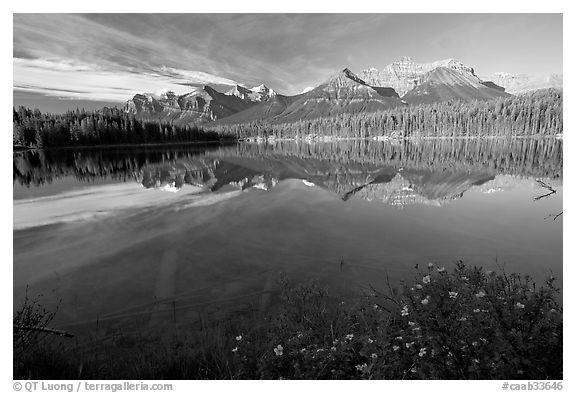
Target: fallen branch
<point x="57" y="332"/>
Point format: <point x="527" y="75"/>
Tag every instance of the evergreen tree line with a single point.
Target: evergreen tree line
<point x="537" y="113"/>
<point x="31" y="128"/>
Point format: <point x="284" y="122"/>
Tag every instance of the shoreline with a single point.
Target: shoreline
<point x="17" y="148"/>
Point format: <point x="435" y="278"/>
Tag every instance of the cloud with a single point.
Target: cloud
<point x="285" y="51"/>
<point x="67" y="79"/>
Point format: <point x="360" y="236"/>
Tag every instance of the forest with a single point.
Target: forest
<point x="536" y="113"/>
<point x="108" y="126"/>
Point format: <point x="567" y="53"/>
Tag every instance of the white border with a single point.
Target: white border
<point x="298" y="6"/>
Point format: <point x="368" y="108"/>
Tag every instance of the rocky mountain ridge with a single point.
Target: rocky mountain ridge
<point x="405" y="74"/>
<point x="404" y="82"/>
<point x="522" y="83"/>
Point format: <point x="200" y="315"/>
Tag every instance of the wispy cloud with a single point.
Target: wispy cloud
<point x="64" y="78"/>
<point x="111" y="56"/>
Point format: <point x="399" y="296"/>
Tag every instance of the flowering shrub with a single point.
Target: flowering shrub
<point x="455" y="325"/>
<point x="463" y="323"/>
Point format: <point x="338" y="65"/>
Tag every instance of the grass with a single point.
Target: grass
<point x="465" y="323"/>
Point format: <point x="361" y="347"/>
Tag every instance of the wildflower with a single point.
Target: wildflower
<point x="474" y="343"/>
<point x="520" y="305"/>
<point x="333" y="348"/>
<point x="300" y="335"/>
<point x="235" y="350"/>
<point x="408" y="345"/>
<point x="426" y="279"/>
<point x="303" y="350"/>
<point x="480" y="294"/>
<point x="335" y="342"/>
<point x="484" y="340"/>
<point x="415" y="329"/>
<point x="464" y="278"/>
<point x="395" y="347"/>
<point x="370" y="341"/>
<point x="476" y="361"/>
<point x="463" y="319"/>
<point x="349" y="336"/>
<point x="453" y="294"/>
<point x="430" y="265"/>
<point x="418" y="286"/>
<point x="414" y="370"/>
<point x="404" y="311"/>
<point x="399" y="338"/>
<point x="375" y="307"/>
<point x="411" y="323"/>
<point x="422" y="352"/>
<point x="484" y="310"/>
<point x="279" y="350"/>
<point x="425" y="301"/>
<point x="476" y="310"/>
<point x="441" y="269"/>
<point x="374" y="356"/>
<point x="238" y="338"/>
<point x="361" y="367"/>
<point x="320" y="350"/>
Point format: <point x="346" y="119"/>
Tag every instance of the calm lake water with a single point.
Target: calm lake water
<point x="144" y="237"/>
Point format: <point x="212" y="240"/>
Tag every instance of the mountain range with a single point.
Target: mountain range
<point x="404" y="82"/>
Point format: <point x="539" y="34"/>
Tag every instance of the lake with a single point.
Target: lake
<point x="149" y="237"/>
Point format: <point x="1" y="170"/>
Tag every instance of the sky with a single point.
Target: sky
<point x="63" y="61"/>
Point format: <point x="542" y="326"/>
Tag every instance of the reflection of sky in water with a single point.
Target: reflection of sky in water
<point x="237" y="222"/>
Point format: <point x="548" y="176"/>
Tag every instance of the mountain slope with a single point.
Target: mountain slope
<point x="405" y="74"/>
<point x="267" y="110"/>
<point x="199" y="106"/>
<point x="344" y="92"/>
<point x="444" y="84"/>
<point x="255" y="94"/>
<point x="521" y="83"/>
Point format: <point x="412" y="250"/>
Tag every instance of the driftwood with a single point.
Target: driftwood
<point x="57" y="332"/>
<point x="546" y="186"/>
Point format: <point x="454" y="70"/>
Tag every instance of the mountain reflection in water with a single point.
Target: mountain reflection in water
<point x="429" y="172"/>
<point x="128" y="233"/>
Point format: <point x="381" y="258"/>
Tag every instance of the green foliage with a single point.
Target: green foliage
<point x="536" y="113"/>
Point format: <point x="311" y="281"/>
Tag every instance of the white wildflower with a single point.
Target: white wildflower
<point x="279" y="350"/>
<point x="404" y="311"/>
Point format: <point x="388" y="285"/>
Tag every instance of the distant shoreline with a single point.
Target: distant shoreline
<point x="18" y="148"/>
<point x="127" y="145"/>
